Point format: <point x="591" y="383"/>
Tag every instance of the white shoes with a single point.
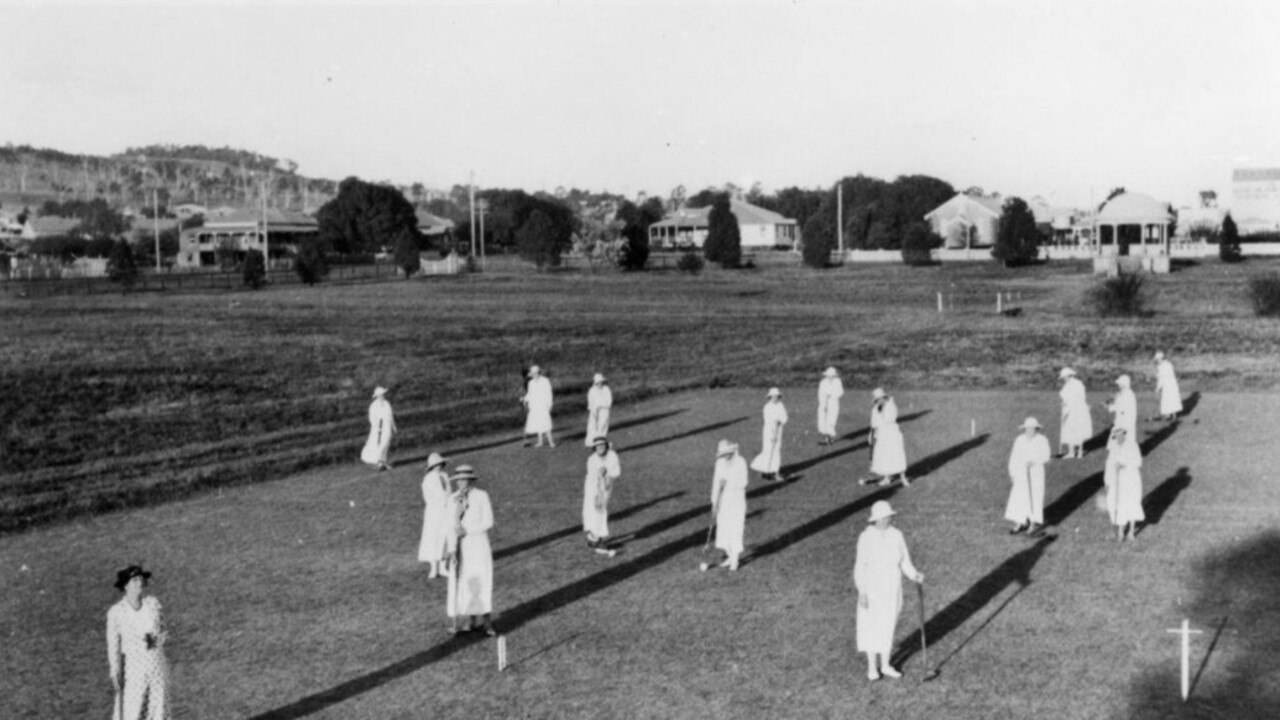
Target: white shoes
<point x="890" y="672"/>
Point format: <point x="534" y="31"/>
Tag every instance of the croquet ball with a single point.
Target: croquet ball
<point x="703" y="567"/>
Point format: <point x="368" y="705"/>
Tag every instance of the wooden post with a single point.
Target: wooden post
<point x="939" y="302"/>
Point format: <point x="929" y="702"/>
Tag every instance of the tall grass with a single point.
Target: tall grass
<point x="1124" y="295"/>
<point x="1264" y="293"/>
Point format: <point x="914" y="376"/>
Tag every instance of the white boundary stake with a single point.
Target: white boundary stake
<point x="973" y="427"/>
<point x="502" y="653"/>
<point x="939" y="302"/>
<point x="1186" y="632"/>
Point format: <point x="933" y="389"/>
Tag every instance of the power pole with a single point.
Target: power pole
<point x="155" y="219"/>
<point x="840" y="218"/>
<point x="471" y="193"/>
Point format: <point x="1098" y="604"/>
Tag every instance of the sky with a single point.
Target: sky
<point x="1064" y="99"/>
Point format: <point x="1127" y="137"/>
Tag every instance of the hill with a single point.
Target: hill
<point x="180" y="174"/>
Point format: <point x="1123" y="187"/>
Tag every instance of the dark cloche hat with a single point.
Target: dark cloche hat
<point x="124" y="576"/>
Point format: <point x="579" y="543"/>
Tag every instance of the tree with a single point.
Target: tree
<point x="408" y="254"/>
<point x="819" y="240"/>
<point x="121" y="266"/>
<point x="255" y="269"/>
<point x="538" y="242"/>
<point x="1017" y="238"/>
<point x="310" y="264"/>
<point x="1229" y="242"/>
<point x="917" y="243"/>
<point x="635" y="231"/>
<point x="724" y="238"/>
<point x="365" y="218"/>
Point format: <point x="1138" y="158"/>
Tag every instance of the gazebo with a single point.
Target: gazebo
<point x="1133" y="219"/>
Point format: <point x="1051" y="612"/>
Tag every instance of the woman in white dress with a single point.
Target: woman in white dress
<point x="769" y="461"/>
<point x="888" y="449"/>
<point x="1077" y="423"/>
<point x="538" y="399"/>
<point x="1167" y="388"/>
<point x="1025" y="508"/>
<point x="382" y="425"/>
<point x="599" y="403"/>
<point x="603" y="469"/>
<point x="470" y="593"/>
<point x="1123" y="478"/>
<point x="435" y="515"/>
<point x="135" y="651"/>
<point x="881" y="563"/>
<point x="729" y="502"/>
<point x="830" y="390"/>
<point x="1124" y="406"/>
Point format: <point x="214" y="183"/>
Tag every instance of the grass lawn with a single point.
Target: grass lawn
<point x="118" y="401"/>
<point x="301" y="597"/>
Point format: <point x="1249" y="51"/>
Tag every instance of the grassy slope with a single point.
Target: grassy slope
<point x="301" y="598"/>
<point x="128" y="400"/>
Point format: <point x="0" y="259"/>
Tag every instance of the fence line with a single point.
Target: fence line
<point x="185" y="281"/>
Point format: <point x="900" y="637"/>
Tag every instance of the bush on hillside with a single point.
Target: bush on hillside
<point x="1264" y="293"/>
<point x="1120" y="296"/>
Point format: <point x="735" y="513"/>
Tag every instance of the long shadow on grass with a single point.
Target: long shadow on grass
<point x="934" y="462"/>
<point x="1245" y="578"/>
<point x="512" y="441"/>
<point x="509" y="621"/>
<point x="1078" y="494"/>
<point x="1162" y="498"/>
<point x="681" y="436"/>
<point x="822" y="522"/>
<point x="520" y="615"/>
<point x="1014" y="571"/>
<point x="1190" y="404"/>
<point x="576" y="529"/>
<point x="902" y="419"/>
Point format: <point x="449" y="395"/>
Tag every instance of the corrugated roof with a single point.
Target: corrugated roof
<point x="430" y="224"/>
<point x="746" y="213"/>
<point x="1134" y="209"/>
<point x="275" y="216"/>
<point x="53" y="225"/>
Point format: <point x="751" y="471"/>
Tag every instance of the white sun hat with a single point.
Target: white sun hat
<point x="881" y="510"/>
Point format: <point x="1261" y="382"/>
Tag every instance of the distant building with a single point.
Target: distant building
<point x="186" y="211"/>
<point x="241" y="231"/>
<point x="760" y="228"/>
<point x="49" y="226"/>
<point x="967" y="221"/>
<point x="1255" y="199"/>
<point x="433" y="226"/>
<point x="1133" y="223"/>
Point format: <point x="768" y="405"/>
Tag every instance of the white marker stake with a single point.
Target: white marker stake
<point x="1186" y="632"/>
<point x="973" y="427"/>
<point x="502" y="653"/>
<point x="998" y="304"/>
<point x="939" y="302"/>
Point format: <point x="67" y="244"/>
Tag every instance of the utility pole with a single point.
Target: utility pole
<point x="471" y="193"/>
<point x="484" y="208"/>
<point x="266" y="246"/>
<point x="840" y="218"/>
<point x="155" y="219"/>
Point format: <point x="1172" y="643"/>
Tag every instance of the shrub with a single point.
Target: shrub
<point x="724" y="237"/>
<point x="407" y="254"/>
<point x="917" y="243"/>
<point x="311" y="265"/>
<point x="1122" y="295"/>
<point x="690" y="262"/>
<point x="1017" y="237"/>
<point x="817" y="244"/>
<point x="1229" y="241"/>
<point x="255" y="269"/>
<point x="1264" y="293"/>
<point x="122" y="267"/>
